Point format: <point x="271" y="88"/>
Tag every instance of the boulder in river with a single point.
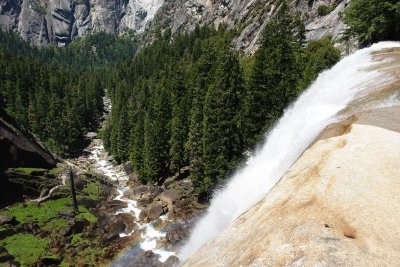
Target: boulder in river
<point x="122" y="223"/>
<point x="128" y="168"/>
<point x="170" y="196"/>
<point x="172" y="261"/>
<point x="112" y="160"/>
<point x="154" y="211"/>
<point x="151" y="212"/>
<point x="114" y="205"/>
<point x="91" y="135"/>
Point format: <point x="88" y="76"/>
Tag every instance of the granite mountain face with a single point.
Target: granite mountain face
<point x="58" y="22"/>
<point x="44" y="22"/>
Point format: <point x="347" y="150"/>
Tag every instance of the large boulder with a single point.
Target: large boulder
<point x="151" y="212"/>
<point x="170" y="196"/>
<point x="155" y="211"/>
<point x="114" y="205"/>
<point x="20" y="148"/>
<point x="7" y="220"/>
<point x="128" y="168"/>
<point x="122" y="223"/>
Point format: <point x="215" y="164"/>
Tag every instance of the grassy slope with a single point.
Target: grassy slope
<point x="28" y="248"/>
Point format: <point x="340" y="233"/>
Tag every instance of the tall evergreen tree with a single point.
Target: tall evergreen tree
<point x="194" y="146"/>
<point x="156" y="137"/>
<point x="179" y="128"/>
<point x="222" y="143"/>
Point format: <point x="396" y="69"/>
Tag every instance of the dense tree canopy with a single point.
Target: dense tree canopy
<point x="191" y="101"/>
<point x="373" y="20"/>
<point x="57" y="92"/>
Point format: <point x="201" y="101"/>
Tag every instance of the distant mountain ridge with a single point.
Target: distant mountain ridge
<point x="58" y="22"/>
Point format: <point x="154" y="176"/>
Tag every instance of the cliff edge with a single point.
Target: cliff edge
<point x="337" y="205"/>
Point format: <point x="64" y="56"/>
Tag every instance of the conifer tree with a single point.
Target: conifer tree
<point x="178" y="134"/>
<point x="194" y="145"/>
<point x="222" y="145"/>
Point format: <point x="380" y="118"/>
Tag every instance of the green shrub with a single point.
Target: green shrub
<point x="373" y="20"/>
<point x="324" y="10"/>
<point x="26" y="248"/>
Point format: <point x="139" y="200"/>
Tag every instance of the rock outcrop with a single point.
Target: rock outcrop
<point x="20" y="148"/>
<point x="251" y="16"/>
<point x="337" y="205"/>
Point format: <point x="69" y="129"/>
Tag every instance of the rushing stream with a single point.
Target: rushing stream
<point x="149" y="234"/>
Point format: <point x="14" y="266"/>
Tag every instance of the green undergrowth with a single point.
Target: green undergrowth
<point x="39" y="171"/>
<point x="47" y="211"/>
<point x="26" y="248"/>
<point x="29" y="171"/>
<point x="40" y="228"/>
<point x="57" y="171"/>
<point x="93" y="190"/>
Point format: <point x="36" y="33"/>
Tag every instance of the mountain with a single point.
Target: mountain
<point x="58" y="22"/>
<point x="250" y="17"/>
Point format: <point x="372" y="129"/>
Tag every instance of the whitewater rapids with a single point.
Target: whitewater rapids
<point x="301" y="123"/>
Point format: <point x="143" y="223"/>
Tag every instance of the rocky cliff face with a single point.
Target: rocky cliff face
<point x="338" y="204"/>
<point x="58" y="22"/>
<point x="44" y="22"/>
<point x="250" y="16"/>
<point x="19" y="148"/>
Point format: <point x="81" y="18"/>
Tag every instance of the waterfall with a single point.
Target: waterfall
<point x="301" y="123"/>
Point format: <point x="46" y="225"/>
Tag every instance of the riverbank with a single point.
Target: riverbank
<point x="150" y="220"/>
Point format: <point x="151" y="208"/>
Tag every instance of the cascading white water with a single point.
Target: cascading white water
<point x="301" y="123"/>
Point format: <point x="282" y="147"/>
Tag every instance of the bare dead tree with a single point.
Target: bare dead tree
<point x="73" y="193"/>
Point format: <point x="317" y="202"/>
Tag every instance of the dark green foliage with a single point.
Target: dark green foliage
<point x="222" y="141"/>
<point x="194" y="145"/>
<point x="179" y="130"/>
<point x="168" y="83"/>
<point x="156" y="137"/>
<point x="324" y="10"/>
<point x="373" y="20"/>
<point x="188" y="103"/>
<point x="57" y="92"/>
<point x="283" y="67"/>
<point x="317" y="56"/>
